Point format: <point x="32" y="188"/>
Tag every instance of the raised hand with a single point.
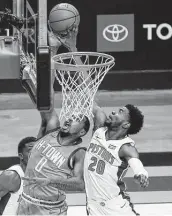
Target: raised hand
<point x="70" y="39"/>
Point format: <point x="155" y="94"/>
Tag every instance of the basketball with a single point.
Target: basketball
<point x="62" y="17"/>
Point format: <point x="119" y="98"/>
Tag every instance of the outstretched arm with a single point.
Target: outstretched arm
<point x="49" y="119"/>
<point x="131" y="155"/>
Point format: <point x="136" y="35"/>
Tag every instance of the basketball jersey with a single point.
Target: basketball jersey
<point x="103" y="169"/>
<point x="48" y="159"/>
<point x="12" y="202"/>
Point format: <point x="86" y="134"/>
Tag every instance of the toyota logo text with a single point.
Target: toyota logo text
<point x="115" y="33"/>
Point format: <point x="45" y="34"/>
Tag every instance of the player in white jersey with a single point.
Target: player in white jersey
<point x="107" y="159"/>
<point x="10" y="179"/>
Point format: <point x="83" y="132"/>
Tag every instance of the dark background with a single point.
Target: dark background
<point x="148" y="67"/>
<point x="155" y="54"/>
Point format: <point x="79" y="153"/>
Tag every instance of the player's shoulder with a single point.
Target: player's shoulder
<point x="127" y="149"/>
<point x="100" y="130"/>
<point x="127" y="141"/>
<point x="18" y="169"/>
<point x="50" y="134"/>
<point x="10" y="175"/>
<point x="54" y="132"/>
<point x="99" y="133"/>
<point x="15" y="167"/>
<point x="81" y="151"/>
<point x="126" y="144"/>
<point x="77" y="154"/>
<point x="11" y="180"/>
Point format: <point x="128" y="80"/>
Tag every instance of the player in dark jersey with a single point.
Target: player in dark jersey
<point x="57" y="154"/>
<point x="10" y="179"/>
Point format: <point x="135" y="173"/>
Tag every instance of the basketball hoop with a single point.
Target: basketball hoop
<point x="78" y="89"/>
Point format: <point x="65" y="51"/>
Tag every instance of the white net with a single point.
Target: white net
<point x="80" y="74"/>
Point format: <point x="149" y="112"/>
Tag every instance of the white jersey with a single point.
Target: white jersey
<point x="12" y="204"/>
<point x="103" y="169"/>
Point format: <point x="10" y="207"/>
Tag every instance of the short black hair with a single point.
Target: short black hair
<point x="23" y="143"/>
<point x="86" y="124"/>
<point x="136" y="119"/>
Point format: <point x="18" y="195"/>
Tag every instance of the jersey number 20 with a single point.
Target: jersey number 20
<point x="97" y="165"/>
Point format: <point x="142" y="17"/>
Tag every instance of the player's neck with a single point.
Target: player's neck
<point x="115" y="134"/>
<point x="67" y="141"/>
<point x="23" y="166"/>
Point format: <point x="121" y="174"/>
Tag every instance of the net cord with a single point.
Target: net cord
<point x="78" y="99"/>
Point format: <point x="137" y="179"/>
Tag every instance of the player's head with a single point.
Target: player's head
<point x="24" y="148"/>
<point x="128" y="118"/>
<point x="75" y="127"/>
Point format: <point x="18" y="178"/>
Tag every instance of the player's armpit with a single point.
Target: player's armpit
<point x="9" y="182"/>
